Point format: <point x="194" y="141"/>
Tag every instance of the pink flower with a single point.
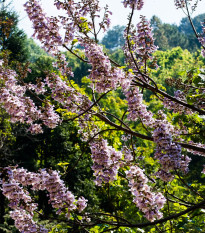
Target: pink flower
<point x="138" y="4"/>
<point x="148" y="202"/>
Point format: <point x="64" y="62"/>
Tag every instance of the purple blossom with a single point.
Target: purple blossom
<point x="104" y="77"/>
<point x="137" y="4"/>
<point x="202" y="39"/>
<point x="140" y="46"/>
<point x="148" y="202"/>
<point x="46" y="28"/>
<point x="180" y="3"/>
<point x="49" y="117"/>
<point x="12" y="96"/>
<point x="168" y="152"/>
<point x="24" y="222"/>
<point x="136" y="108"/>
<point x="106" y="161"/>
<point x="21" y="202"/>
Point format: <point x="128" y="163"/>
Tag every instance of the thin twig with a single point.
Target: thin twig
<point x="75" y="54"/>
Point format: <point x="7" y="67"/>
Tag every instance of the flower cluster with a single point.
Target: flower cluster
<point x="62" y="65"/>
<point x="66" y="95"/>
<point x="202" y="39"/>
<point x="103" y="75"/>
<point x="126" y="81"/>
<point x="17" y="195"/>
<point x="21" y="203"/>
<point x="88" y="128"/>
<point x="140" y="46"/>
<point x="80" y="17"/>
<point x="137" y="4"/>
<point x="105" y="24"/>
<point x="59" y="196"/>
<point x="106" y="161"/>
<point x="128" y="156"/>
<point x="12" y="97"/>
<point x="144" y="39"/>
<point x="19" y="199"/>
<point x="76" y="12"/>
<point x="167" y="151"/>
<point x="148" y="202"/>
<point x="35" y="128"/>
<point x="138" y="110"/>
<point x="67" y="23"/>
<point x="22" y="108"/>
<point x="46" y="28"/>
<point x="24" y="222"/>
<point x="180" y="3"/>
<point x="171" y="105"/>
<point x="49" y="117"/>
<point x="38" y="88"/>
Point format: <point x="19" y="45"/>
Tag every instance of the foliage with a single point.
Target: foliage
<point x="114" y="38"/>
<point x="34" y="50"/>
<point x="168" y="36"/>
<point x="11" y="38"/>
<point x="116" y="149"/>
<point x="186" y="28"/>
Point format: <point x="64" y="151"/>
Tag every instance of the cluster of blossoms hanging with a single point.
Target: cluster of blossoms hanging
<point x="22" y="108"/>
<point x="13" y="184"/>
<point x="105" y="76"/>
<point x="46" y="28"/>
<point x="139" y="48"/>
<point x="202" y="39"/>
<point x="137" y="110"/>
<point x="168" y="152"/>
<point x="180" y="3"/>
<point x="143" y="41"/>
<point x="138" y="4"/>
<point x="18" y="106"/>
<point x="106" y="161"/>
<point x="147" y="201"/>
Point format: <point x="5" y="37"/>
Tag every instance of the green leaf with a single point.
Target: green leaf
<point x="74" y="41"/>
<point x="62" y="164"/>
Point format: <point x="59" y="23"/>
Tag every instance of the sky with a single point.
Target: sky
<point x="164" y="9"/>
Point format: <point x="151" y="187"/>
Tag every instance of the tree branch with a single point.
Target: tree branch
<point x="146" y="224"/>
<point x="131" y="132"/>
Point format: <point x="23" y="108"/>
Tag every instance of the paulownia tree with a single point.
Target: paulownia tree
<point x="53" y="100"/>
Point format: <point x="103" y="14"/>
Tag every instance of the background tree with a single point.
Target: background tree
<point x="168" y="36"/>
<point x="11" y="38"/>
<point x="186" y="28"/>
<point x="34" y="50"/>
<point x="114" y="37"/>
